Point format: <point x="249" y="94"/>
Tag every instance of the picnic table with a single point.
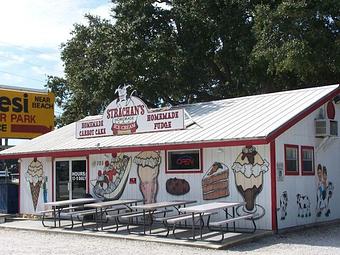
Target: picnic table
<point x="216" y="207"/>
<point x="101" y="206"/>
<point x="59" y="206"/>
<point x="153" y="208"/>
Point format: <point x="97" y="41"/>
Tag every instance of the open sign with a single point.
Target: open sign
<point x="185" y="161"/>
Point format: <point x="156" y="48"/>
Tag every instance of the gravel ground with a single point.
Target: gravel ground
<point x="321" y="240"/>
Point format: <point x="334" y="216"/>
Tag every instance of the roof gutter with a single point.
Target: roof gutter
<point x="101" y="150"/>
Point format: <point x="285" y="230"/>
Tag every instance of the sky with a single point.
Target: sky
<point x="31" y="32"/>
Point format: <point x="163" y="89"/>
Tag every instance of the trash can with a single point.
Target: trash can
<point x="9" y="193"/>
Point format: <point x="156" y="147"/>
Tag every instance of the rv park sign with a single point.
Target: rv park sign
<point x="129" y="115"/>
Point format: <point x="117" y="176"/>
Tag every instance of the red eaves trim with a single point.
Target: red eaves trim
<point x="302" y="115"/>
<point x="273" y="184"/>
<point x="78" y="153"/>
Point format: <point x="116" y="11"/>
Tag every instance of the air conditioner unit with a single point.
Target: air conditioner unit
<point x="325" y="127"/>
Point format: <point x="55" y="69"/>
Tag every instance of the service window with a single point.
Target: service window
<point x="291" y="159"/>
<point x="184" y="161"/>
<point x="307" y="160"/>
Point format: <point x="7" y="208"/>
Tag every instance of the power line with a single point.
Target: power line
<point x="20" y="62"/>
<point x="21" y="76"/>
<point x="22" y="47"/>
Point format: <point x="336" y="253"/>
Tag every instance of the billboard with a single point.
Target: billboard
<point x="25" y="113"/>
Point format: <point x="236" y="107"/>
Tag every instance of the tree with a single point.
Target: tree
<point x="184" y="51"/>
<point x="297" y="44"/>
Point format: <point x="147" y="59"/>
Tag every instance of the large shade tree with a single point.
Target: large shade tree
<point x="184" y="51"/>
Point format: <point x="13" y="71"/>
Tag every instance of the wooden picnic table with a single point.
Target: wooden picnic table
<point x="57" y="206"/>
<point x="209" y="208"/>
<point x="107" y="204"/>
<point x="152" y="208"/>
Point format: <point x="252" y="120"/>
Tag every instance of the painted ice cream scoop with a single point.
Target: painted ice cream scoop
<point x="35" y="177"/>
<point x="249" y="168"/>
<point x="148" y="163"/>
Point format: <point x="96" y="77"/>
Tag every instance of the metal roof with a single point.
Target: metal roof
<point x="251" y="117"/>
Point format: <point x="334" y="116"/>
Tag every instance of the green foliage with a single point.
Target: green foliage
<point x="184" y="51"/>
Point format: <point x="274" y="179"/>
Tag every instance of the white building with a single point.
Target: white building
<point x="278" y="152"/>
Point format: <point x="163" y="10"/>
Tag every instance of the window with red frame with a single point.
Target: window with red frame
<point x="291" y="159"/>
<point x="307" y="160"/>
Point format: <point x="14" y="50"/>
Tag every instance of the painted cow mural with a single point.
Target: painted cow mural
<point x="283" y="205"/>
<point x="303" y="203"/>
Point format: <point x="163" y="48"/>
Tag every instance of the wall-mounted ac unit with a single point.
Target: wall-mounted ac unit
<point x="325" y="127"/>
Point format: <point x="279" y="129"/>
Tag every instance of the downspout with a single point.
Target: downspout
<point x="273" y="185"/>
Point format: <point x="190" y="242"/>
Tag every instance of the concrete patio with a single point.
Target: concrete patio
<point x="210" y="238"/>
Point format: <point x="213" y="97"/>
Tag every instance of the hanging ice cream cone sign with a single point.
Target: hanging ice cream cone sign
<point x="127" y="115"/>
<point x="36" y="178"/>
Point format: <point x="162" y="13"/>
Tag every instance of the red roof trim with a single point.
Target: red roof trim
<point x="302" y="115"/>
<point x="60" y="154"/>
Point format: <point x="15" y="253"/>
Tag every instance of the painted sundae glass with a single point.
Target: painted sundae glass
<point x="249" y="168"/>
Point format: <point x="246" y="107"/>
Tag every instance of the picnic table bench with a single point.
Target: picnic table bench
<point x="222" y="223"/>
<point x="215" y="207"/>
<point x="3" y="217"/>
<point x="172" y="220"/>
<point x="152" y="209"/>
<point x="63" y="206"/>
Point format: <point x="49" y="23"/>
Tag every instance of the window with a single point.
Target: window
<point x="307" y="160"/>
<point x="184" y="161"/>
<point x="291" y="159"/>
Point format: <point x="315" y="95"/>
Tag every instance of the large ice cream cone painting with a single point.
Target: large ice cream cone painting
<point x="112" y="173"/>
<point x="148" y="163"/>
<point x="249" y="169"/>
<point x="36" y="178"/>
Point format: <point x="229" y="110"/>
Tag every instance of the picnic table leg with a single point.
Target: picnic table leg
<point x="144" y="218"/>
<point x="193" y="227"/>
<point x="151" y="221"/>
<point x="54" y="217"/>
<point x="201" y="225"/>
<point x="59" y="217"/>
<point x="101" y="218"/>
<point x="96" y="219"/>
<point x="234" y="221"/>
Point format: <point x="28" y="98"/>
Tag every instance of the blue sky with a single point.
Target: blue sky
<point x="31" y="32"/>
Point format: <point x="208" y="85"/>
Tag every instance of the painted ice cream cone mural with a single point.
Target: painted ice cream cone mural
<point x="249" y="168"/>
<point x="112" y="174"/>
<point x="36" y="178"/>
<point x="148" y="163"/>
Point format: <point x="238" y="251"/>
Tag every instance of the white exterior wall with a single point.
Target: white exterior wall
<point x="40" y="170"/>
<point x="226" y="156"/>
<point x="303" y="134"/>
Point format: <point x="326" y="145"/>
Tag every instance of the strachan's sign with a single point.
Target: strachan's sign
<point x="128" y="115"/>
